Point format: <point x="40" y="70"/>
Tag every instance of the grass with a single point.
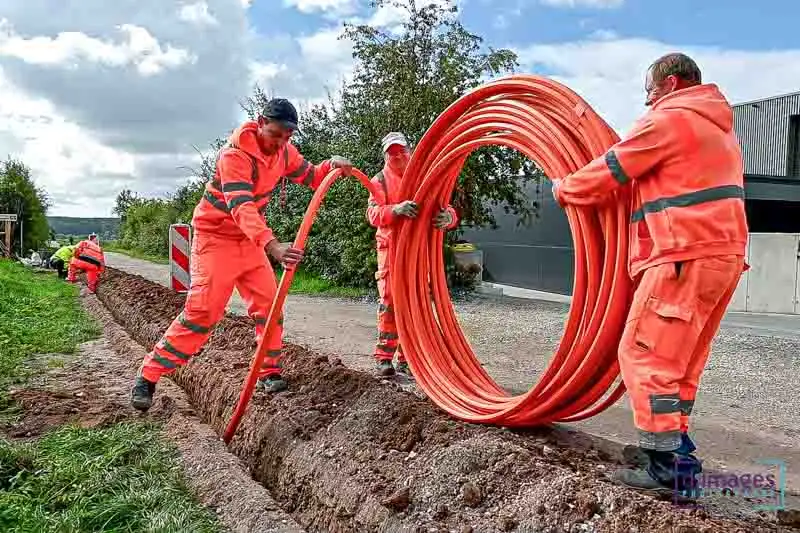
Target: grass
<point x="121" y="478"/>
<point x="306" y="283"/>
<point x="112" y="246"/>
<point x="303" y="282"/>
<point x="40" y="314"/>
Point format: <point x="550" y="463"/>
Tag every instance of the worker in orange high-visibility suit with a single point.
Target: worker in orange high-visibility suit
<point x="688" y="234"/>
<point x="88" y="257"/>
<point x="383" y="211"/>
<point x="230" y="238"/>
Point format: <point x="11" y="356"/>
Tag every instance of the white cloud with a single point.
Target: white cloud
<point x="324" y="49"/>
<point x="61" y="154"/>
<point x="333" y="7"/>
<point x="261" y="72"/>
<point x="584" y="3"/>
<point x="197" y="14"/>
<point x="246" y="3"/>
<point x="609" y="74"/>
<point x="68" y="49"/>
<point x="391" y="17"/>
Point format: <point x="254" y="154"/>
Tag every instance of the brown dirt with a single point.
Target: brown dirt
<point x="92" y="390"/>
<point x="342" y="451"/>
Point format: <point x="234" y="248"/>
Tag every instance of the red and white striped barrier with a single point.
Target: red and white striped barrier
<point x="179" y="252"/>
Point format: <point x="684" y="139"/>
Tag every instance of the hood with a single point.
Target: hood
<point x="245" y="138"/>
<point x="705" y="100"/>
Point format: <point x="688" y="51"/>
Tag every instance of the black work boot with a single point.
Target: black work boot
<point x="142" y="394"/>
<point x="384" y="367"/>
<point x="403" y="367"/>
<point x="665" y="473"/>
<point x="273" y="383"/>
<point x="640" y="479"/>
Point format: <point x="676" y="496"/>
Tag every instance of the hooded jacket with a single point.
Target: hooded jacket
<point x="684" y="165"/>
<point x="235" y="201"/>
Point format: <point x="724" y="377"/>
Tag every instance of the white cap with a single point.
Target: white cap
<point x="393" y="138"/>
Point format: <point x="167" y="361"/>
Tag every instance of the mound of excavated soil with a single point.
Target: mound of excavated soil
<point x="342" y="451"/>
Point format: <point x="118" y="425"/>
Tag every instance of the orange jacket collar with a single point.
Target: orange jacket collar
<point x="244" y="137"/>
<point x="706" y="100"/>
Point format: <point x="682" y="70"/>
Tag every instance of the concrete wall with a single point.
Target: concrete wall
<point x="772" y="285"/>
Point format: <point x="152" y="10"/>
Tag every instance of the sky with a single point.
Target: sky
<point x="97" y="96"/>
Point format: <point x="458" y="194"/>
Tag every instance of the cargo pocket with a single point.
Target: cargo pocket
<point x="662" y="327"/>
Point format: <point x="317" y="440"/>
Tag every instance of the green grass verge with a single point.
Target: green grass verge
<point x="303" y="282"/>
<point x="40" y="315"/>
<point x="121" y="478"/>
<point x="306" y="283"/>
<point x="112" y="246"/>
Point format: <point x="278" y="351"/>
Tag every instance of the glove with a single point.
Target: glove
<point x="405" y="209"/>
<point x="338" y="161"/>
<point x="556" y="185"/>
<point x="443" y="219"/>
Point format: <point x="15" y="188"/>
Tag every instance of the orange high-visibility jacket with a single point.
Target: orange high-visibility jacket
<point x="234" y="202"/>
<point x="684" y="164"/>
<point x="379" y="208"/>
<point x="90" y="252"/>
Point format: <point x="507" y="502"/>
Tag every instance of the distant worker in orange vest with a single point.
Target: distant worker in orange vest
<point x="383" y="212"/>
<point x="231" y="243"/>
<point x="688" y="234"/>
<point x="89" y="258"/>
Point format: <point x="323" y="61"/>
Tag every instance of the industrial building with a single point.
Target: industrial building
<point x="539" y="255"/>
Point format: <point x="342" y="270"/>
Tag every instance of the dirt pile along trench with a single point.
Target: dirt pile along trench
<point x="342" y="451"/>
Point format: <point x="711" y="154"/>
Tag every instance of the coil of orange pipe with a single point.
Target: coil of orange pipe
<point x="554" y="127"/>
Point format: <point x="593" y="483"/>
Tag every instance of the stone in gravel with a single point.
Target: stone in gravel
<point x="471" y="494"/>
<point x="790" y="517"/>
<point x="507" y="523"/>
<point x="548" y="451"/>
<point x="399" y="500"/>
<point x="441" y="512"/>
<point x="467" y="529"/>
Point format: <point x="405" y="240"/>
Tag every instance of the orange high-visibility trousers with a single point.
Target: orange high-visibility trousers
<point x="676" y="311"/>
<point x="92" y="272"/>
<point x="217" y="265"/>
<point x="388" y="338"/>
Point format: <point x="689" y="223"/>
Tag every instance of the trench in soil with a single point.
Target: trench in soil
<point x="343" y="451"/>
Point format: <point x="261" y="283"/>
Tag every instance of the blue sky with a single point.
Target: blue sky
<point x="96" y="96"/>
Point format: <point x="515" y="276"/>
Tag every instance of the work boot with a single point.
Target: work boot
<point x="403" y="367"/>
<point x="142" y="394"/>
<point x="384" y="367"/>
<point x="635" y="456"/>
<point x="640" y="479"/>
<point x="271" y="384"/>
<point x="665" y="472"/>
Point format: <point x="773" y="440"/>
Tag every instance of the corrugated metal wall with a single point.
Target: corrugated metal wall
<point x="538" y="256"/>
<point x="763" y="129"/>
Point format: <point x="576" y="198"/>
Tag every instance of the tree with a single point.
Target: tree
<point x="125" y="200"/>
<point x="402" y="81"/>
<point x="20" y="196"/>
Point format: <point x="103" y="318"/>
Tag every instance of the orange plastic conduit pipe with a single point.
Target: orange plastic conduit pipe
<point x="553" y="126"/>
<point x="557" y="129"/>
<point x="280" y="296"/>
